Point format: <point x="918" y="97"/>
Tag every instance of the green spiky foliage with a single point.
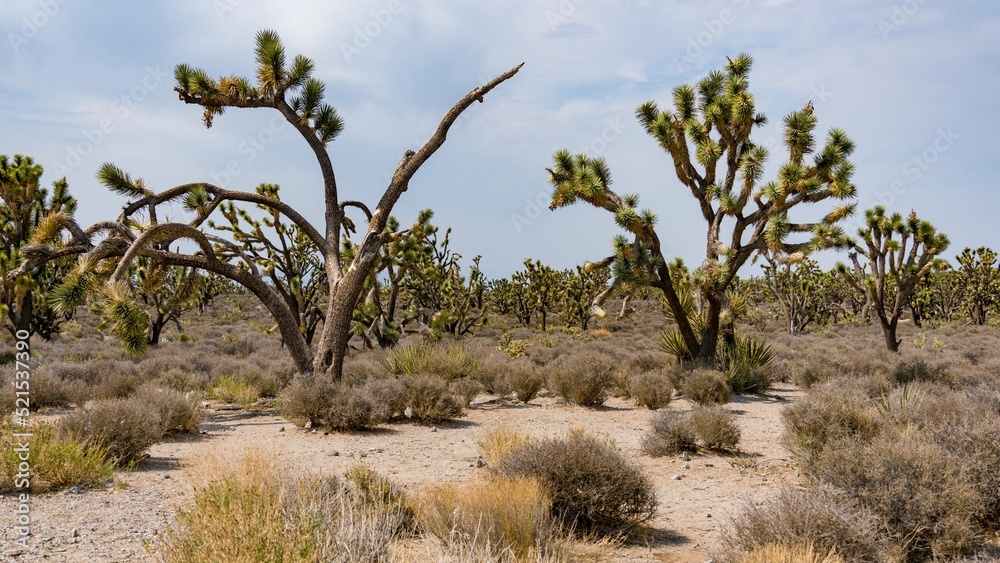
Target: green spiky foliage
<point x="980" y="281"/>
<point x="508" y="297"/>
<point x="126" y="318"/>
<point x="707" y="136"/>
<point x="277" y="250"/>
<point x="581" y="286"/>
<point x="891" y="258"/>
<point x="544" y="287"/>
<point x="440" y="298"/>
<point x="288" y="86"/>
<point x="30" y="215"/>
<point x="166" y="291"/>
<point x="803" y="292"/>
<point x="381" y="316"/>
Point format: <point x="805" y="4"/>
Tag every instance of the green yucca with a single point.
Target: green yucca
<point x="747" y="361"/>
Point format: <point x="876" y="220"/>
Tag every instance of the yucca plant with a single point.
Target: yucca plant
<point x="746" y="365"/>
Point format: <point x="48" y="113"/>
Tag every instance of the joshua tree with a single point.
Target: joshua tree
<point x="289" y="88"/>
<point x="169" y="291"/>
<point x="30" y="217"/>
<point x="544" y="287"/>
<point x="707" y="137"/>
<point x="893" y="256"/>
<point x="979" y="278"/>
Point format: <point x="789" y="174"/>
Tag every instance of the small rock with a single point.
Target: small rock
<point x="687" y="466"/>
<point x="676" y="477"/>
<point x="480" y="462"/>
<point x="166" y="476"/>
<point x="309" y="424"/>
<point x="376" y="450"/>
<point x="74" y="490"/>
<point x="74" y="533"/>
<point x="313" y="430"/>
<point x="709" y="465"/>
<point x="13" y="553"/>
<point x="743" y="471"/>
<point x="408" y="412"/>
<point x="708" y="516"/>
<point x="797" y="474"/>
<point x="685" y="456"/>
<point x="334" y="453"/>
<point x="282" y="429"/>
<point x="434" y="428"/>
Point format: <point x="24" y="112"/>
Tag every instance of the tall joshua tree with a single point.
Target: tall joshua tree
<point x="289" y="88"/>
<point x="893" y="256"/>
<point x="706" y="135"/>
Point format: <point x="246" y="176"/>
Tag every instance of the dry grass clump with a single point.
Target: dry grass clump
<point x="235" y="389"/>
<point x="58" y="460"/>
<point x="497" y="444"/>
<point x="705" y="386"/>
<point x="820" y="517"/>
<point x="778" y="553"/>
<point x="257" y="510"/>
<point x="449" y="360"/>
<point x="508" y="518"/>
<point x="651" y="389"/>
<point x="672" y="434"/>
<point x="592" y="486"/>
<point x="583" y="380"/>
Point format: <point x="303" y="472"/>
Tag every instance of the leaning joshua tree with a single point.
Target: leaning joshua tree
<point x="707" y="137"/>
<point x="894" y="254"/>
<point x="289" y="88"/>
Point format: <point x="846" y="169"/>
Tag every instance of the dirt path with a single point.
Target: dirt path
<point x="124" y="523"/>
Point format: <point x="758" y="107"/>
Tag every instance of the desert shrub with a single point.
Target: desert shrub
<point x="591" y="484"/>
<point x="256" y="510"/>
<point x="307" y="403"/>
<point x="651" y="389"/>
<point x="267" y="383"/>
<point x="918" y="490"/>
<point x="583" y="380"/>
<point x="361" y="368"/>
<point x="672" y="434"/>
<point x="58" y="460"/>
<point x="430" y="399"/>
<point x="232" y="389"/>
<point x="126" y="428"/>
<point x="715" y="428"/>
<point x="907" y="371"/>
<point x="47" y="390"/>
<point x="350" y="410"/>
<point x="500" y="516"/>
<point x="388" y="397"/>
<point x="779" y="553"/>
<point x="974" y="438"/>
<point x="179" y="380"/>
<point x="233" y="344"/>
<point x="467" y="389"/>
<point x="498" y="443"/>
<point x="178" y="412"/>
<point x="828" y="412"/>
<point x="114" y="384"/>
<point x="524" y="380"/>
<point x="705" y="386"/>
<point x="819" y="516"/>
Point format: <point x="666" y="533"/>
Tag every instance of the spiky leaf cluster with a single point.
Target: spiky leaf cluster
<point x="278" y="82"/>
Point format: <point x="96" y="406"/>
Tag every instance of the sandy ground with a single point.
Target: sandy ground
<point x="124" y="522"/>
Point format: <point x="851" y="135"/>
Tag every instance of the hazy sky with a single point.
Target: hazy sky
<point x="82" y="83"/>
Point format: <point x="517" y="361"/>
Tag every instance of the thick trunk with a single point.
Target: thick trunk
<point x="889" y="330"/>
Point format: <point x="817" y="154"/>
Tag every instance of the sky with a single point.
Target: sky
<point x="913" y="82"/>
